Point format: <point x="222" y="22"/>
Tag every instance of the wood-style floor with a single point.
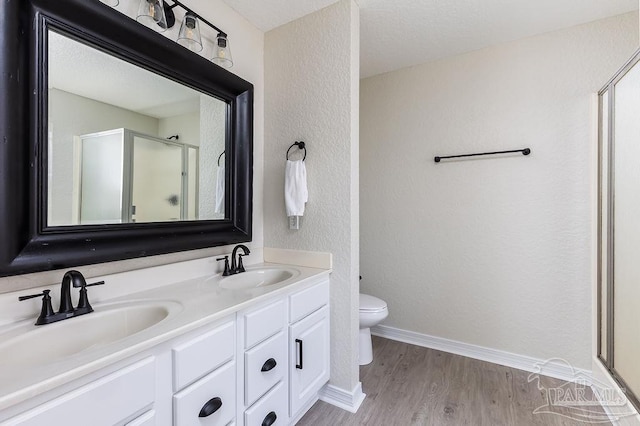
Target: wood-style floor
<point x="412" y="385"/>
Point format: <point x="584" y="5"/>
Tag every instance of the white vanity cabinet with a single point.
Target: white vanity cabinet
<point x="262" y="365"/>
<point x="286" y="350"/>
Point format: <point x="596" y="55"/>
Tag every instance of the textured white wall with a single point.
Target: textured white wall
<point x="186" y="126"/>
<point x="213" y="121"/>
<point x="247" y="45"/>
<point x="311" y="92"/>
<point x="492" y="252"/>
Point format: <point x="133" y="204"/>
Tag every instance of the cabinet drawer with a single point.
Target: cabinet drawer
<point x="107" y="401"/>
<point x="217" y="390"/>
<point x="272" y="406"/>
<point x="197" y="357"/>
<point x="307" y="301"/>
<point x="264" y="322"/>
<point x="147" y="419"/>
<point x="271" y="356"/>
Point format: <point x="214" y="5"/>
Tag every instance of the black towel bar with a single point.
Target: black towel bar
<point x="525" y="151"/>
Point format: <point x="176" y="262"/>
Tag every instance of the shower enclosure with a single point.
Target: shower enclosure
<point x="125" y="176"/>
<point x="619" y="228"/>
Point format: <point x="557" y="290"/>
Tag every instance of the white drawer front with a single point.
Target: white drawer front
<point x="264" y="322"/>
<point x="220" y="384"/>
<point x="272" y="406"/>
<point x="107" y="401"/>
<point x="147" y="419"/>
<point x="197" y="357"/>
<point x="307" y="301"/>
<point x="271" y="356"/>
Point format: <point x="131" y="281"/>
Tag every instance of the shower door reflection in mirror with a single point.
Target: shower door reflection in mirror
<point x="127" y="145"/>
<point x="155" y="186"/>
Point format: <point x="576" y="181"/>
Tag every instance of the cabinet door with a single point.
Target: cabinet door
<point x="309" y="357"/>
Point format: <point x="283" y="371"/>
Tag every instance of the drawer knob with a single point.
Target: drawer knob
<point x="269" y="365"/>
<point x="210" y="407"/>
<point x="270" y="419"/>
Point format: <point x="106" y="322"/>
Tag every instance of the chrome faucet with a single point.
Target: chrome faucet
<point x="47" y="315"/>
<point x="237" y="268"/>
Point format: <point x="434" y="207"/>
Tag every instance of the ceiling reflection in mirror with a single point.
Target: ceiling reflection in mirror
<point x="126" y="145"/>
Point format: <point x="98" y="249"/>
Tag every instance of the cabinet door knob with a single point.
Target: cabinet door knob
<point x="210" y="407"/>
<point x="270" y="419"/>
<point x="269" y="365"/>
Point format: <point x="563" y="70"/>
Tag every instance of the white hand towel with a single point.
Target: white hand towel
<point x="220" y="190"/>
<point x="295" y="187"/>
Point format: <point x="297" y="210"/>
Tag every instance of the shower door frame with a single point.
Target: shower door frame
<point x="128" y="170"/>
<point x="609" y="250"/>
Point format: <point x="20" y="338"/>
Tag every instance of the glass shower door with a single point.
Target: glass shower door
<point x="619" y="225"/>
<point x="102" y="194"/>
<point x="157" y="181"/>
<point x="626" y="229"/>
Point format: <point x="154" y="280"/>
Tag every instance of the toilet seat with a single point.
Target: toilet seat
<point x="371" y="304"/>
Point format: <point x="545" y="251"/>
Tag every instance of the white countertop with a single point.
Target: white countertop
<point x="194" y="302"/>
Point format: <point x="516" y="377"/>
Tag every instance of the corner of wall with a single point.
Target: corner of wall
<point x="311" y="94"/>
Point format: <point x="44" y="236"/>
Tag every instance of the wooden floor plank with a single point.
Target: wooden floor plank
<point x="412" y="385"/>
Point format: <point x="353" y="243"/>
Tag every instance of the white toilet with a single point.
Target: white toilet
<point x="372" y="311"/>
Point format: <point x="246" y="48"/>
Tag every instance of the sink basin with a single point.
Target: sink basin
<point x="253" y="278"/>
<point x="107" y="324"/>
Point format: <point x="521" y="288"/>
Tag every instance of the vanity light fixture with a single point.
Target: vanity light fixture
<point x="189" y="35"/>
<point x="221" y="52"/>
<point x="152" y="14"/>
<point x="159" y="15"/>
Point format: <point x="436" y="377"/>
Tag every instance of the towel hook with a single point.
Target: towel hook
<point x="219" y="157"/>
<point x="300" y="145"/>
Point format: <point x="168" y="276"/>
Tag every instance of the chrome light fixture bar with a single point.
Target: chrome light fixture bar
<point x="159" y="15"/>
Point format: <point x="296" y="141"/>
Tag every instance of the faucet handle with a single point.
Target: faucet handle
<point x="240" y="267"/>
<point x="84" y="307"/>
<point x="45" y="293"/>
<point x="226" y="265"/>
<point x="47" y="310"/>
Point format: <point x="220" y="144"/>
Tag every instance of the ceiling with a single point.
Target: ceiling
<point x="411" y="32"/>
<point x="84" y="71"/>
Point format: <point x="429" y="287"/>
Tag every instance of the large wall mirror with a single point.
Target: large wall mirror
<point x="117" y="142"/>
<point x="127" y="145"/>
<point x="619" y="228"/>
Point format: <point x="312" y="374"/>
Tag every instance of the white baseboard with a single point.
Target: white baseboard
<point x="347" y="400"/>
<point x="552" y="368"/>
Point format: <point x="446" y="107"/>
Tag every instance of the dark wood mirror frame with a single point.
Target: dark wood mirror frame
<point x="26" y="243"/>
